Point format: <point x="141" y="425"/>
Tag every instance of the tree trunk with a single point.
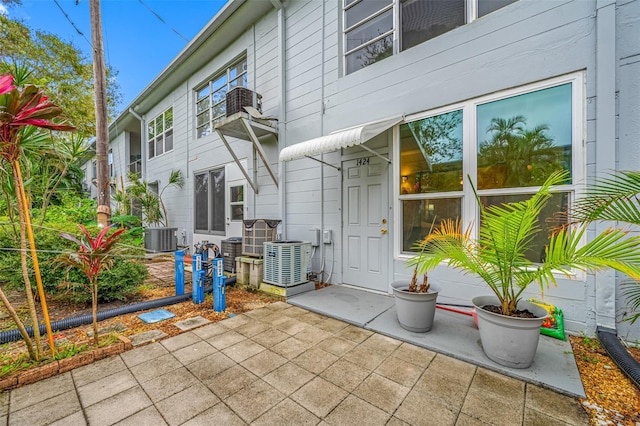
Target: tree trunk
<point x="25" y="268"/>
<point x="102" y="135"/>
<point x="20" y="325"/>
<point x="94" y="310"/>
<point x="34" y="254"/>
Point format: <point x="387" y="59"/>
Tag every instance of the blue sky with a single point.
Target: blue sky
<point x="136" y="42"/>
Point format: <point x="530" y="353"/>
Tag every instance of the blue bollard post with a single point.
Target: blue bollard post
<point x="220" y="302"/>
<point x="197" y="280"/>
<point x="200" y="290"/>
<point x="179" y="255"/>
<point x="219" y="286"/>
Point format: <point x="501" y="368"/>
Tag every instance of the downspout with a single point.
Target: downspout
<point x="323" y="252"/>
<point x="605" y="158"/>
<point x="282" y="126"/>
<point x="253" y="147"/>
<point x="143" y="142"/>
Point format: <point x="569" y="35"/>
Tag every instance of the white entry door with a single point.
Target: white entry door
<point x="365" y="223"/>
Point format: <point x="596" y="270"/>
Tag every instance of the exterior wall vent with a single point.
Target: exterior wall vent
<point x="160" y="239"/>
<point x="240" y="97"/>
<point x="286" y="263"/>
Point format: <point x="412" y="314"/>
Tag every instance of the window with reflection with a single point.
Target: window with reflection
<point x="525" y="138"/>
<point x="517" y="141"/>
<point x="425" y="19"/>
<point x="368" y="32"/>
<point x="160" y="133"/>
<point x="430" y="166"/>
<point x="553" y="216"/>
<point x="420" y="216"/>
<point x="211" y="104"/>
<point x="236" y="202"/>
<point x="370" y="26"/>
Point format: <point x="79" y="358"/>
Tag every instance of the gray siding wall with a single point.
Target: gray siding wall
<point x="192" y="155"/>
<point x="120" y="150"/>
<point x="526" y="42"/>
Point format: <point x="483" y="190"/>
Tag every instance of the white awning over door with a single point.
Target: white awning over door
<point x="334" y="141"/>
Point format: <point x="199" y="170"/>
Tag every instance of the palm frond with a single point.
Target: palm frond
<point x="615" y="198"/>
<point x="631" y="290"/>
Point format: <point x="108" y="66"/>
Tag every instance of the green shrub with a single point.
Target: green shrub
<point x="127" y="221"/>
<point x="117" y="284"/>
<point x="69" y="208"/>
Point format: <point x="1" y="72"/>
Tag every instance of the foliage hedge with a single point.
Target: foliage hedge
<point x="118" y="283"/>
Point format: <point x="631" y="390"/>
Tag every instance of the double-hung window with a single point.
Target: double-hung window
<point x="376" y="29"/>
<point x="507" y="144"/>
<point x="211" y="104"/>
<point x="160" y="134"/>
<point x="210" y="202"/>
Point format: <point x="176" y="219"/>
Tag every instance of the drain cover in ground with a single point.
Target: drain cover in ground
<point x="155" y="316"/>
<point x="190" y="323"/>
<point x="146" y="337"/>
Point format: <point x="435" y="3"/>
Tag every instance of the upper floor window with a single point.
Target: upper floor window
<point x="370" y="32"/>
<point x="211" y="104"/>
<point x="160" y="133"/>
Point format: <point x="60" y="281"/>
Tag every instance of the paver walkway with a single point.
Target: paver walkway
<point x="283" y="365"/>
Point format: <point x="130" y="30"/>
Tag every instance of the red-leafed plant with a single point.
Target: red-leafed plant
<point x="22" y="108"/>
<point x="92" y="256"/>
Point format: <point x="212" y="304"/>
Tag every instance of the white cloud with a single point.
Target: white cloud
<point x="3" y="9"/>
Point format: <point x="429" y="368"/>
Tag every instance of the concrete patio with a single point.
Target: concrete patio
<point x="283" y="365"/>
<point x="453" y="334"/>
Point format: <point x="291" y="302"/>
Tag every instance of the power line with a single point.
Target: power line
<point x="71" y="22"/>
<point x="163" y="21"/>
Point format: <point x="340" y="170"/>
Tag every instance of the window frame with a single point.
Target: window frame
<point x="226" y="72"/>
<point x="160" y="138"/>
<point x="471" y="15"/>
<point x="209" y="195"/>
<point x="469" y="208"/>
<point x="232" y="204"/>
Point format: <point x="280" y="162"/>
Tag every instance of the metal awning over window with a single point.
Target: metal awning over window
<point x="353" y="136"/>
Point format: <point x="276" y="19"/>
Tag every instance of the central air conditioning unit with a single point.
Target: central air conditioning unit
<point x="286" y="263"/>
<point x="160" y="239"/>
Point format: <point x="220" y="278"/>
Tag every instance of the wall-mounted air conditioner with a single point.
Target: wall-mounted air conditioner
<point x="286" y="263"/>
<point x="240" y="97"/>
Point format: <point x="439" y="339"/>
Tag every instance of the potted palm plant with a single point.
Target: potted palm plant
<point x="416" y="304"/>
<point x="498" y="257"/>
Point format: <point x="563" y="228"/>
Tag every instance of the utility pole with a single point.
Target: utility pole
<point x="102" y="136"/>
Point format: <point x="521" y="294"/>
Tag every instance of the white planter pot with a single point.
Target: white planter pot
<point x="509" y="341"/>
<point x="415" y="310"/>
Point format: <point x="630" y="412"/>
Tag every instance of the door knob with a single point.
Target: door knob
<point x="383" y="231"/>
